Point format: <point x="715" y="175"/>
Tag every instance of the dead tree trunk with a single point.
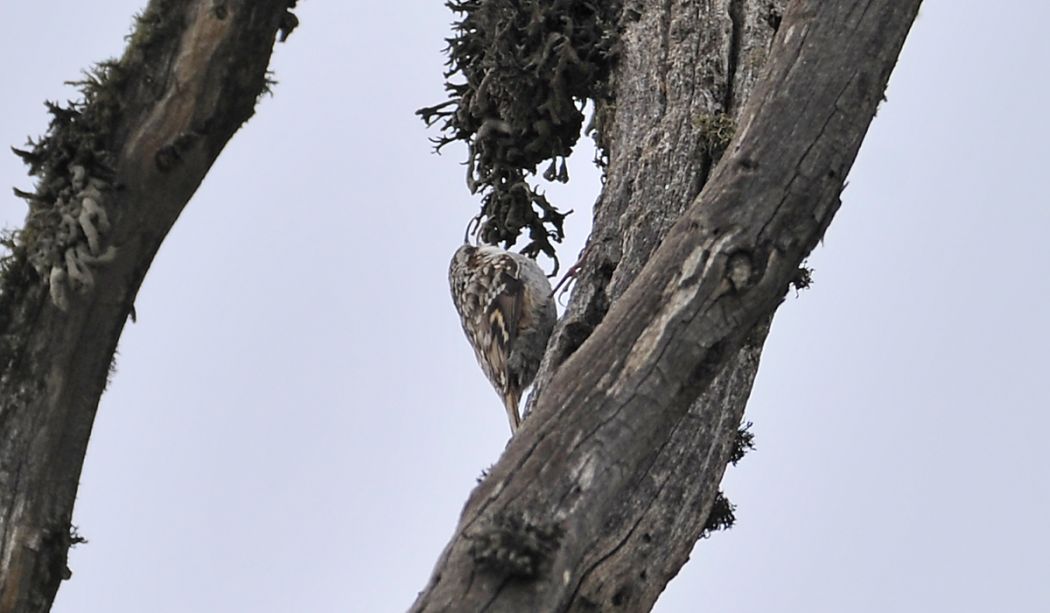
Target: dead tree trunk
<point x="114" y="172"/>
<point x="598" y="500"/>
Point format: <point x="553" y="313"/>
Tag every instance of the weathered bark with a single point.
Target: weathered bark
<point x="670" y="90"/>
<point x="190" y="77"/>
<point x="596" y="502"/>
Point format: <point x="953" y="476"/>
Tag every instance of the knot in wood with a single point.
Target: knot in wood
<point x="739" y="270"/>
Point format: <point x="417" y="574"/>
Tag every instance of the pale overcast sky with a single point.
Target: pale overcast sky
<point x="296" y="419"/>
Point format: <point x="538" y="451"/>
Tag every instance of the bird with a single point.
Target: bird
<point x="506" y="306"/>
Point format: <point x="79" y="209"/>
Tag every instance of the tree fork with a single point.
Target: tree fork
<point x="573" y="474"/>
<point x="137" y="147"/>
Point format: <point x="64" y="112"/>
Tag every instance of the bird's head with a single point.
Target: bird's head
<point x="463" y="255"/>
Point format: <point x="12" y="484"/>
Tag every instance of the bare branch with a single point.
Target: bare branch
<point x="115" y="170"/>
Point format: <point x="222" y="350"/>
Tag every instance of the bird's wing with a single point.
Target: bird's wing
<point x="503" y="315"/>
<point x="505" y="310"/>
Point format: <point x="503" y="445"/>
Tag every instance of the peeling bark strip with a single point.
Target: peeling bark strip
<point x="618" y="401"/>
<point x="148" y="130"/>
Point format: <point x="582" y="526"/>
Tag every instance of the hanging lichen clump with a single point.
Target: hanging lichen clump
<point x="529" y="67"/>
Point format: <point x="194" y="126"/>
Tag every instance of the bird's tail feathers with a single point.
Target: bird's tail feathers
<point x="510" y="401"/>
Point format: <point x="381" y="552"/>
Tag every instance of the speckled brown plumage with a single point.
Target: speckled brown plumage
<point x="505" y="305"/>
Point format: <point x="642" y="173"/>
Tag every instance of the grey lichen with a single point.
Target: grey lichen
<point x="69" y="216"/>
<point x="515" y="545"/>
<point x="528" y="68"/>
<point x="74" y="205"/>
<point x="68" y="236"/>
<point x="721" y="517"/>
<point x="485" y="472"/>
<point x="723" y="512"/>
<point x="716" y="131"/>
<point x="75" y="537"/>
<point x="803" y="278"/>
<point x="289" y="22"/>
<point x="71" y="210"/>
<point x="742" y="443"/>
